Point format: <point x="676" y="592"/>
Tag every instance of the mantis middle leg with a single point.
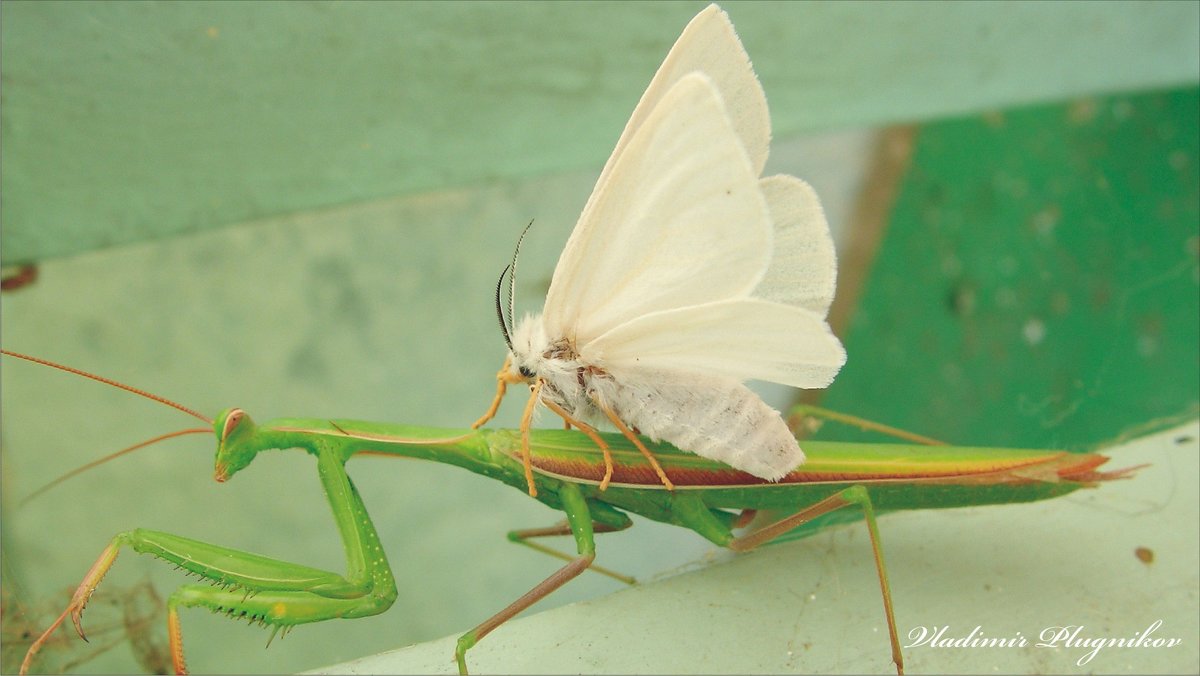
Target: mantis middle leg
<point x="579" y="522"/>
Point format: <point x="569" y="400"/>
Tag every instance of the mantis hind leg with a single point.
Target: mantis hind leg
<point x="854" y="495"/>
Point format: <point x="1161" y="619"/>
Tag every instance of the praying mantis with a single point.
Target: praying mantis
<point x="709" y="498"/>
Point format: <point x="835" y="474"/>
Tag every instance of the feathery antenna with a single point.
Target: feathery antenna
<point x="506" y="322"/>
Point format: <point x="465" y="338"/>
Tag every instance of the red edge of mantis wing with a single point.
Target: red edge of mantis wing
<point x="1050" y="466"/>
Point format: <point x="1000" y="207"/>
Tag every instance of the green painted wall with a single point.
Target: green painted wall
<point x="125" y="121"/>
<point x="1038" y="284"/>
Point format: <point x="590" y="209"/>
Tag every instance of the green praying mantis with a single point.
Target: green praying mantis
<point x="840" y="480"/>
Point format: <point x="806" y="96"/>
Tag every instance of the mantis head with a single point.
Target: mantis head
<point x="234" y="431"/>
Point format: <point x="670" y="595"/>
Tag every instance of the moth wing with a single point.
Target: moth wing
<point x="680" y="220"/>
<point x="803" y="269"/>
<point x="709" y="44"/>
<point x="741" y="338"/>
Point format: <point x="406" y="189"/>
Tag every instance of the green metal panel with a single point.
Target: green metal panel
<point x="1037" y="286"/>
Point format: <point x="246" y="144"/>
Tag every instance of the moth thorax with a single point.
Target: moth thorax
<point x="562" y="350"/>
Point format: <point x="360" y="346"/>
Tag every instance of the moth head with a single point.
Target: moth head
<point x="527" y="348"/>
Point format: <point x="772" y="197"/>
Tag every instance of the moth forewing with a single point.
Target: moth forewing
<point x="710" y="45"/>
<point x="680" y="220"/>
<point x="741" y="338"/>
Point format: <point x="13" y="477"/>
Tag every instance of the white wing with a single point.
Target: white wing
<point x="679" y="220"/>
<point x="741" y="338"/>
<point x="803" y="268"/>
<point x="709" y="45"/>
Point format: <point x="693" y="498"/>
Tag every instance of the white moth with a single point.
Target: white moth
<point x="688" y="274"/>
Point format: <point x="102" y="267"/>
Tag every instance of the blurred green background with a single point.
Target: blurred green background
<point x="301" y="209"/>
<point x="1037" y="286"/>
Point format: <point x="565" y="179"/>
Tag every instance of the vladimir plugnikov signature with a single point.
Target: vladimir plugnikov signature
<point x="1064" y="636"/>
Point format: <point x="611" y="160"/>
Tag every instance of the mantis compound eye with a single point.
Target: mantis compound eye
<point x="231" y="422"/>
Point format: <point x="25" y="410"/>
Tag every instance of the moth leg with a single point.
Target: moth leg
<point x="504" y="377"/>
<point x="612" y="416"/>
<point x="535" y="390"/>
<point x="591" y="432"/>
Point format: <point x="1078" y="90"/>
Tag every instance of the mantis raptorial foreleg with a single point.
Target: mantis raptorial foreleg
<point x="274" y="592"/>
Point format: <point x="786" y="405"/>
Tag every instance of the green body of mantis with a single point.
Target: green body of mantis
<point x="709" y="498"/>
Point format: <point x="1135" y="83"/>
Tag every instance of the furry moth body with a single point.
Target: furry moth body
<point x="688" y="274"/>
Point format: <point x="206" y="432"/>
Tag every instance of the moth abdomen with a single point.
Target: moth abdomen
<point x="717" y="418"/>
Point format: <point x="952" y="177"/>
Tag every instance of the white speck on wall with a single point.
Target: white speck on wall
<point x="1034" y="331"/>
<point x="1147" y="345"/>
<point x="1045" y="221"/>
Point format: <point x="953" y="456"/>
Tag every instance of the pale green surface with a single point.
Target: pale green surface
<point x="126" y="121"/>
<point x="814" y="606"/>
